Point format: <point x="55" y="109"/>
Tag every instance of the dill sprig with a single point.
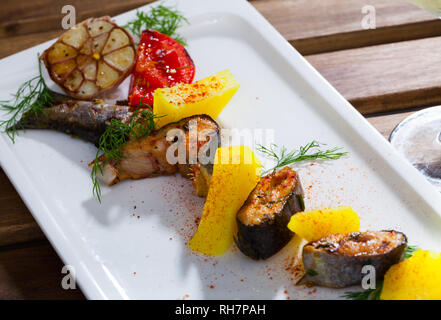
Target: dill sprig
<point x="370" y="294"/>
<point x="374" y="294"/>
<point x="141" y="123"/>
<point x="284" y="157"/>
<point x="410" y="250"/>
<point x="160" y="18"/>
<point x="30" y="99"/>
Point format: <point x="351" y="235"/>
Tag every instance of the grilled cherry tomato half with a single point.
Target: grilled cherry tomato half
<point x="160" y="62"/>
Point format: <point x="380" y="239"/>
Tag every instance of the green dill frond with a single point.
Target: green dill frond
<point x="410" y="250"/>
<point x="160" y="18"/>
<point x="111" y="142"/>
<point x="312" y="273"/>
<point x="30" y="99"/>
<point x="370" y="294"/>
<point x="283" y="157"/>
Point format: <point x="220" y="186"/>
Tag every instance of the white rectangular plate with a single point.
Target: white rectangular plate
<point x="126" y="253"/>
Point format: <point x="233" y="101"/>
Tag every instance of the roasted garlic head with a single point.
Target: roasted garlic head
<point x="92" y="57"/>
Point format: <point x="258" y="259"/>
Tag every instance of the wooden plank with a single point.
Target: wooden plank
<point x="301" y="19"/>
<point x="32" y="272"/>
<point x="16" y="223"/>
<point x="314" y="26"/>
<point x="15" y="44"/>
<point x="385" y="123"/>
<point x="385" y="77"/>
<point x="26" y="17"/>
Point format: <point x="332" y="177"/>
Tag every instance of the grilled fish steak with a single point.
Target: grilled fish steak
<point x="147" y="156"/>
<point x="85" y="119"/>
<point x="337" y="260"/>
<point x="262" y="221"/>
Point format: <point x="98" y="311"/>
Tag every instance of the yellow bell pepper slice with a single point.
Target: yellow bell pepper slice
<point x="207" y="96"/>
<point x="236" y="172"/>
<point x="417" y="278"/>
<point x="316" y="224"/>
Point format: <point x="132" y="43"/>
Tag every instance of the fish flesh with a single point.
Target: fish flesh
<point x="262" y="221"/>
<point x="337" y="260"/>
<point x="150" y="155"/>
<point x="201" y="176"/>
<point x="85" y="119"/>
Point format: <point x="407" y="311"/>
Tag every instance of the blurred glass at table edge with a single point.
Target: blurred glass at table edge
<point x="418" y="136"/>
<point x="433" y="6"/>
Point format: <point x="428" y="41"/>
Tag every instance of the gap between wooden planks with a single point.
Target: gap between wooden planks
<point x="386" y="77"/>
<point x="28" y="17"/>
<point x="312" y="26"/>
<point x="316" y="26"/>
<point x="379" y="78"/>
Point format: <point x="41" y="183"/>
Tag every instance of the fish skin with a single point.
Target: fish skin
<point x="85" y="119"/>
<point x="146" y="157"/>
<point x="201" y="176"/>
<point x="263" y="240"/>
<point x="335" y="270"/>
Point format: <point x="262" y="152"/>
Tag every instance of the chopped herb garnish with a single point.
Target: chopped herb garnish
<point x="301" y="201"/>
<point x="31" y="98"/>
<point x="270" y="203"/>
<point x="309" y="151"/>
<point x="325" y="245"/>
<point x="370" y="294"/>
<point x="160" y="18"/>
<point x="410" y="250"/>
<point x="311" y="273"/>
<point x="142" y="123"/>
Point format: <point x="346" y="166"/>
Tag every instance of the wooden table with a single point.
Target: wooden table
<point x="386" y="73"/>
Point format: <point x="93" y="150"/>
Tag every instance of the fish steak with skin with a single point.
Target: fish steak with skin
<point x="337" y="260"/>
<point x="85" y="119"/>
<point x="262" y="221"/>
<point x="150" y="156"/>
